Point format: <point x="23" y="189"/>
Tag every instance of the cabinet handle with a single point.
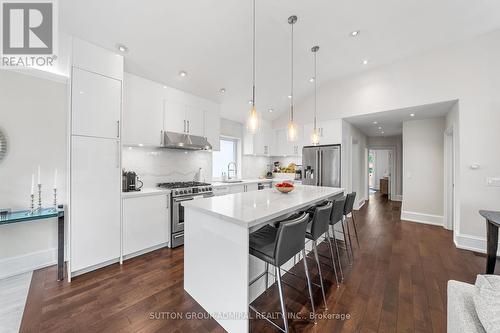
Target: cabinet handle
<point x="184" y="125"/>
<point x="161" y="138"/>
<point x="189" y="126"/>
<point x="118" y="129"/>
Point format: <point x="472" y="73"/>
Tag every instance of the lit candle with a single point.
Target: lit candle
<point x="55" y="179"/>
<point x="39" y="175"/>
<point x="32" y="183"/>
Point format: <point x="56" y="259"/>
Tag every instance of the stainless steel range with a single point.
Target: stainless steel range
<point x="183" y="191"/>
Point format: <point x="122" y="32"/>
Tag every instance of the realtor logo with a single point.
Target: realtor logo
<point x="27" y="27"/>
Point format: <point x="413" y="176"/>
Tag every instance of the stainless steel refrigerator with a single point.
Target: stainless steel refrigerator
<point x="321" y="165"/>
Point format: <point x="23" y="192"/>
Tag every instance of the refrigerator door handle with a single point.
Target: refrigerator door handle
<point x="320" y="175"/>
<point x="317" y="168"/>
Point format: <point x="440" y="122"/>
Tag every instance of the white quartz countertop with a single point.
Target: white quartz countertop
<point x="253" y="208"/>
<point x="242" y="182"/>
<point x="145" y="192"/>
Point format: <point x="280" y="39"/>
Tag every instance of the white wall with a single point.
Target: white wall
<point x="33" y="116"/>
<point x="423" y="170"/>
<point x="467" y="71"/>
<point x="354" y="156"/>
<point x="396" y="143"/>
<point x="381" y="166"/>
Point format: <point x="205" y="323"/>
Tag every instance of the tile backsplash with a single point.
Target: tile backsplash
<point x="156" y="165"/>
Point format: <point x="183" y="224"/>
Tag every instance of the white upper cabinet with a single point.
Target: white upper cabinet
<point x="286" y="148"/>
<point x="195" y="120"/>
<point x="330" y="132"/>
<point x="151" y="108"/>
<point x="260" y="143"/>
<point x="95" y="59"/>
<point x="142" y="112"/>
<point x="96" y="105"/>
<point x="212" y="127"/>
<point x="175" y="117"/>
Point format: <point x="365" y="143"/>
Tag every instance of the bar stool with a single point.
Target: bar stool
<point x="349" y="204"/>
<point x="336" y="217"/>
<point x="276" y="246"/>
<point x="318" y="226"/>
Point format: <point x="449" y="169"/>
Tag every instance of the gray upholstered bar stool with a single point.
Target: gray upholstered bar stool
<point x="336" y="217"/>
<point x="349" y="204"/>
<point x="319" y="225"/>
<point x="276" y="246"/>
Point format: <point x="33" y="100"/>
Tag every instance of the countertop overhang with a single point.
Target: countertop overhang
<point x="249" y="209"/>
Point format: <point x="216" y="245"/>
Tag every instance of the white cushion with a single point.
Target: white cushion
<point x="487" y="302"/>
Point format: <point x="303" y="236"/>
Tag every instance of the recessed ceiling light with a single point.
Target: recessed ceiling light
<point x="250" y="102"/>
<point x="289" y="96"/>
<point x="183" y="73"/>
<point x="354" y="33"/>
<point x="412" y="115"/>
<point x="270" y="110"/>
<point x="311" y="80"/>
<point x="222" y="90"/>
<point x="365" y="62"/>
<point x="141" y="145"/>
<point x="375" y="122"/>
<point x="380" y="127"/>
<point x="164" y="87"/>
<point x="383" y="132"/>
<point x="122" y="48"/>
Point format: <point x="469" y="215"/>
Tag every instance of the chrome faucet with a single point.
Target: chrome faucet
<point x="234" y="170"/>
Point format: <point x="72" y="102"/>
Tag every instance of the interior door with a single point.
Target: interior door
<point x="310" y="159"/>
<point x="330" y="166"/>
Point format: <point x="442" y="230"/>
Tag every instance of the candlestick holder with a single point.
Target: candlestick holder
<point x="32" y="204"/>
<point x="39" y="208"/>
<point x="55" y="198"/>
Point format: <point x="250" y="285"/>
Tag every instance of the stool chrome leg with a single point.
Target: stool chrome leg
<point x="282" y="300"/>
<point x="267" y="275"/>
<point x="355" y="230"/>
<point x="338" y="252"/>
<point x="309" y="285"/>
<point x="349" y="253"/>
<point x="315" y="250"/>
<point x="333" y="258"/>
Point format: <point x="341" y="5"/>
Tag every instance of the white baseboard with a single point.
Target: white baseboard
<point x="422" y="218"/>
<point x="360" y="203"/>
<point x="27" y="262"/>
<point x="472" y="243"/>
<point x="396" y="197"/>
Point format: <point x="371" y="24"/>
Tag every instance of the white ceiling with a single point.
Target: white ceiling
<point x="211" y="40"/>
<point x="391" y="122"/>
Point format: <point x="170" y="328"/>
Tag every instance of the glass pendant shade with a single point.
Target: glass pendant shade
<point x="315" y="137"/>
<point x="292" y="131"/>
<point x="253" y="121"/>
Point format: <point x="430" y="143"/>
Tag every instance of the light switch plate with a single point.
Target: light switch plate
<point x="493" y="181"/>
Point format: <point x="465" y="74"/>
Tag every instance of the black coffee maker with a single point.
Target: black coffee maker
<point x="130" y="181"/>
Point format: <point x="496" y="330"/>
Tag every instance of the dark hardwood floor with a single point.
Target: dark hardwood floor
<point x="397" y="284"/>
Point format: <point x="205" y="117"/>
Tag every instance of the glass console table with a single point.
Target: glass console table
<point x="44" y="213"/>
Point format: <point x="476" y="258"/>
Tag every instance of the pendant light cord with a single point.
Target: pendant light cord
<point x="253" y="58"/>
<point x="291" y="93"/>
<point x="315" y="91"/>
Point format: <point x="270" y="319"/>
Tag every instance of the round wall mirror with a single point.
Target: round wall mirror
<point x="3" y="145"/>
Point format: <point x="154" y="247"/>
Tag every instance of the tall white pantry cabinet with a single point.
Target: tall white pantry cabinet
<point x="95" y="158"/>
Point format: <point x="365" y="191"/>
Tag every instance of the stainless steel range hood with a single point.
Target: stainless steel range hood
<point x="185" y="141"/>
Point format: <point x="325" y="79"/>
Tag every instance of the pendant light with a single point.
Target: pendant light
<point x="253" y="117"/>
<point x="315" y="132"/>
<point x="292" y="126"/>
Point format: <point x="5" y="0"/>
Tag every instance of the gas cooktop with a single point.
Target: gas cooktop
<point x="181" y="184"/>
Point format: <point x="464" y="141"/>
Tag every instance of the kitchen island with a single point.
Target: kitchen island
<point x="217" y="265"/>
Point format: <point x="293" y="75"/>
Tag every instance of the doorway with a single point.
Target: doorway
<point x="380" y="172"/>
<point x="449" y="174"/>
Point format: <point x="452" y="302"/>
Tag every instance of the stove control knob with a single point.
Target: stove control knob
<point x="176" y="192"/>
<point x="210" y="189"/>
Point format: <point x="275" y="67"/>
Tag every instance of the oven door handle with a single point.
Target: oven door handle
<point x="184" y="199"/>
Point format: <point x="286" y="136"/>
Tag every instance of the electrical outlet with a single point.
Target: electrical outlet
<point x="490" y="181"/>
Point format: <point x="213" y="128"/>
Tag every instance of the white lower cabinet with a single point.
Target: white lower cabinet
<point x="231" y="189"/>
<point x="236" y="188"/>
<point x="145" y="223"/>
<point x="95" y="202"/>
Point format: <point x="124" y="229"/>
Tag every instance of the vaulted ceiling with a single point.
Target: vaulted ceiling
<point x="211" y="40"/>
